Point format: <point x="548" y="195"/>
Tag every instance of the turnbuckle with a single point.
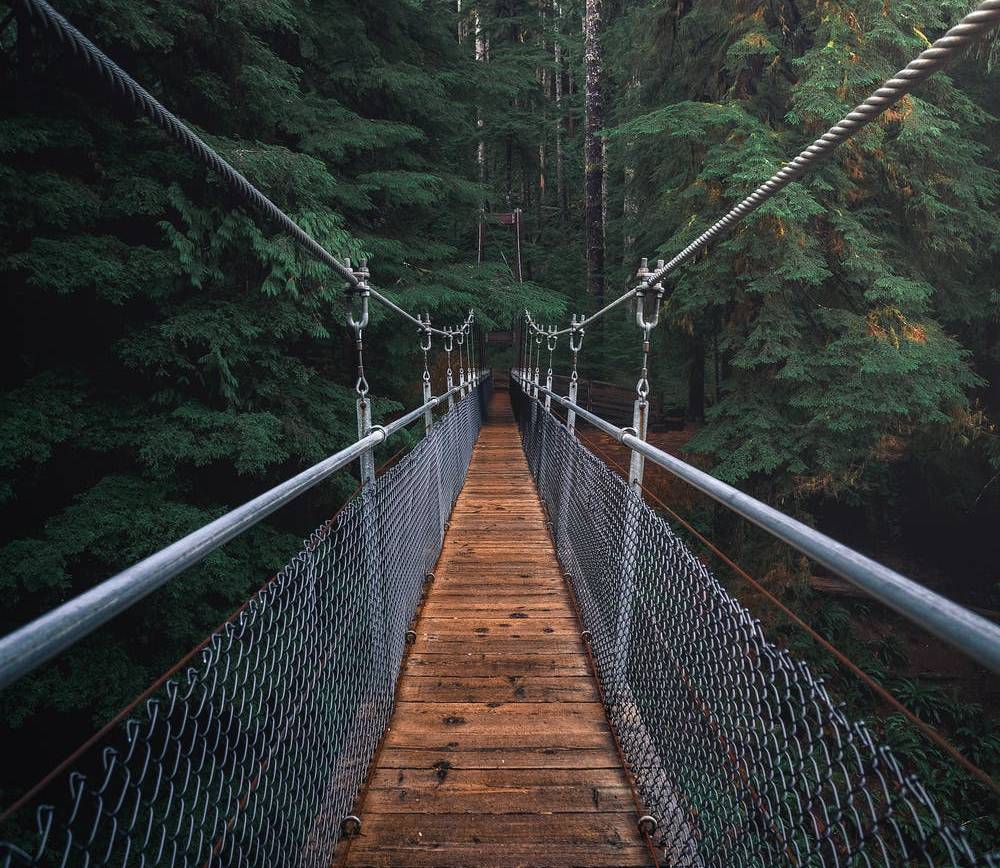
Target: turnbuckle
<point x="358" y="326"/>
<point x="575" y="335"/>
<point x="360" y="289"/>
<point x="425" y="331"/>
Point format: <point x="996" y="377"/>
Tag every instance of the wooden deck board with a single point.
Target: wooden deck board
<point x="498" y="751"/>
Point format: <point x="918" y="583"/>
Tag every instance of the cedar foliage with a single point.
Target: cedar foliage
<point x="168" y="356"/>
<point x="842" y="344"/>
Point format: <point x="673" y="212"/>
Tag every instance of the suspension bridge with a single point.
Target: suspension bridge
<point x="497" y="652"/>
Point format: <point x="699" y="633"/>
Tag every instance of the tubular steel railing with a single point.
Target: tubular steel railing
<point x="962" y="628"/>
<point x="254" y="755"/>
<point x="737" y="750"/>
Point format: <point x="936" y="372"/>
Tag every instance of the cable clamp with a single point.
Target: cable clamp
<point x="361" y="275"/>
<point x="640" y="310"/>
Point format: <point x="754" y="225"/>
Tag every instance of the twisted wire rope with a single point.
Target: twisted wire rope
<point x="127" y="88"/>
<point x="970" y="29"/>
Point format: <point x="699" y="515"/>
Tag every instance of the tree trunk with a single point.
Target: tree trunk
<point x="25" y="53"/>
<point x="630" y="203"/>
<point x="508" y="175"/>
<point x="481" y="57"/>
<point x="560" y="185"/>
<point x="546" y="96"/>
<point x="593" y="148"/>
<point x="696" y="382"/>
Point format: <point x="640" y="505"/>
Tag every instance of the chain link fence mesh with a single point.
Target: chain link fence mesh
<point x="256" y="753"/>
<point x="736" y="748"/>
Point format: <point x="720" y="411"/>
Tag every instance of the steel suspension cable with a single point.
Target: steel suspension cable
<point x="971" y="28"/>
<point x="123" y="85"/>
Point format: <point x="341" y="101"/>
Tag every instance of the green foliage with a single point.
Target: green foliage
<point x="168" y="355"/>
<point x="848" y="331"/>
<point x="832" y="305"/>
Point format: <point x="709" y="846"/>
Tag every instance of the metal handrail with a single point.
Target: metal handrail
<point x="970" y="633"/>
<point x="28" y="647"/>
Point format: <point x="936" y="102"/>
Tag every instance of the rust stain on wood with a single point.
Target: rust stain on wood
<point x="498" y="752"/>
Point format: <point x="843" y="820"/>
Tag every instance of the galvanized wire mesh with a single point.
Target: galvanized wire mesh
<point x="254" y="756"/>
<point x="736" y="748"/>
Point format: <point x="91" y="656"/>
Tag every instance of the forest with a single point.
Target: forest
<point x="167" y="354"/>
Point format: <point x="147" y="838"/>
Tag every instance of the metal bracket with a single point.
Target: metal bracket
<point x="425" y="331"/>
<point x="640" y="309"/>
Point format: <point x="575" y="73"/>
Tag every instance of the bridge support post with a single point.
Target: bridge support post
<point x="533" y="394"/>
<point x="444" y="506"/>
<point x="367" y="460"/>
<point x="624" y="702"/>
<point x="534" y="375"/>
<point x="570" y="412"/>
<point x="575" y="344"/>
<point x="429" y="412"/>
<point x="630" y="573"/>
<point x="640" y="419"/>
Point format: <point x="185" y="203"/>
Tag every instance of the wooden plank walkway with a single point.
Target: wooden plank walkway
<point x="498" y="752"/>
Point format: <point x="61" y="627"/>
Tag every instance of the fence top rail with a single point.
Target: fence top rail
<point x="28" y="647"/>
<point x="963" y="629"/>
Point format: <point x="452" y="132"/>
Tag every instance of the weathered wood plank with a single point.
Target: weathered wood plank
<point x="510" y="688"/>
<point x="485" y="627"/>
<point x="499" y="799"/>
<point x="498" y="752"/>
<point x="499" y="758"/>
<point x="515" y="840"/>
